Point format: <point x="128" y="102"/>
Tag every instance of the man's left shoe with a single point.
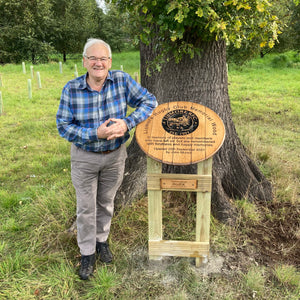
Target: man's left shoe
<point x="102" y="249"/>
<point x="87" y="266"/>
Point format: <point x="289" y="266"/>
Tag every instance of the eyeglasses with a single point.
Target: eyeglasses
<point x="94" y="58"/>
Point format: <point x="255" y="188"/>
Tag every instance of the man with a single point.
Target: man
<point x="93" y="116"/>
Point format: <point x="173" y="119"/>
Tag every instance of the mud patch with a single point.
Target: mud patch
<point x="276" y="238"/>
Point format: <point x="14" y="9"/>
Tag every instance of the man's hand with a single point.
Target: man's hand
<point x="117" y="129"/>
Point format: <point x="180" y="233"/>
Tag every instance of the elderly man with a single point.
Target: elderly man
<point x="92" y="115"/>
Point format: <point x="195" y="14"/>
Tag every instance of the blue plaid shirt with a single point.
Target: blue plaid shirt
<point x="82" y="110"/>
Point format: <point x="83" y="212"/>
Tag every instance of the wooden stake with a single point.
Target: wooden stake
<point x="39" y="80"/>
<point x="136" y="76"/>
<point x="60" y="67"/>
<point x="121" y="67"/>
<point x="29" y="89"/>
<point x="76" y="72"/>
<point x="24" y="68"/>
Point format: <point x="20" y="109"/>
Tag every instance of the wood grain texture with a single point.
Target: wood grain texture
<point x="181" y="133"/>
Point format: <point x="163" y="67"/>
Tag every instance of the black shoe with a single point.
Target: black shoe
<point x="103" y="250"/>
<point x="87" y="266"/>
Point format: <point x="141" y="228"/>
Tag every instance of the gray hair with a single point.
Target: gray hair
<point x="90" y="42"/>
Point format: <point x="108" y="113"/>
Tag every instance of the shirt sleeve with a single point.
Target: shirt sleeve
<point x="140" y="98"/>
<point x="66" y="125"/>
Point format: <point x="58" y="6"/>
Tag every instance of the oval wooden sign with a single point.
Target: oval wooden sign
<point x="181" y="133"/>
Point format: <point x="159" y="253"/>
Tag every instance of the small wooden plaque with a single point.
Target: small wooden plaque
<point x="178" y="184"/>
<point x="181" y="133"/>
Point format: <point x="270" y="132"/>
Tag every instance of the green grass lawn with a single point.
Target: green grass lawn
<point x="38" y="256"/>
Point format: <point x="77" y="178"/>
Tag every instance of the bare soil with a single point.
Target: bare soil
<point x="277" y="237"/>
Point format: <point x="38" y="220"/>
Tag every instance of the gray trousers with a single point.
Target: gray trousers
<point x="96" y="179"/>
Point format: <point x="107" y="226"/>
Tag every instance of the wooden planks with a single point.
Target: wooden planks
<point x="178" y="248"/>
<point x="201" y="184"/>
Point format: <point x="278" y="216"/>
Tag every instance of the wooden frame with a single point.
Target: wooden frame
<point x="199" y="183"/>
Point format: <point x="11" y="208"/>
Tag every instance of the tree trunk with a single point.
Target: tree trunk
<point x="33" y="56"/>
<point x="203" y="80"/>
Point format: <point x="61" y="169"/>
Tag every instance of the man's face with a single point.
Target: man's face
<point x="97" y="69"/>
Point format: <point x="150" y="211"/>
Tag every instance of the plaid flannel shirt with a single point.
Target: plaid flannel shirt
<point x="82" y="110"/>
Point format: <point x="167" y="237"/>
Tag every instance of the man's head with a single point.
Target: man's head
<point x="97" y="59"/>
<point x="90" y="42"/>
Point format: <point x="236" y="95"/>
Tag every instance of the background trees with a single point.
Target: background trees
<point x="24" y="26"/>
<point x="73" y="22"/>
<point x="291" y="35"/>
<point x="35" y="29"/>
<point x="115" y="28"/>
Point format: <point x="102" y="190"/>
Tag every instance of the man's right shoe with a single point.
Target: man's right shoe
<point x="102" y="249"/>
<point x="87" y="266"/>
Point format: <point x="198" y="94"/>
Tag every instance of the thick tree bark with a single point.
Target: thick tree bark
<point x="202" y="79"/>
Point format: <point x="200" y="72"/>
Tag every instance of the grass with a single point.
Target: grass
<point x="39" y="258"/>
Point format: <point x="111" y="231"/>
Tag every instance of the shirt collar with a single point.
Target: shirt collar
<point x="109" y="76"/>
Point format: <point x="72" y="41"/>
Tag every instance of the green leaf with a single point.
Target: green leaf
<point x="199" y="12"/>
<point x="171" y="7"/>
<point x="227" y="3"/>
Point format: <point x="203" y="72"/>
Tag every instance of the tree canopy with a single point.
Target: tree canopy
<point x="179" y="26"/>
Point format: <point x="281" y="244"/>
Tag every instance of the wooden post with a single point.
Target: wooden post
<point x="203" y="210"/>
<point x="1" y="104"/>
<point x="60" y="67"/>
<point x="24" y="68"/>
<point x="121" y="67"/>
<point x="154" y="207"/>
<point x="39" y="80"/>
<point x="29" y="88"/>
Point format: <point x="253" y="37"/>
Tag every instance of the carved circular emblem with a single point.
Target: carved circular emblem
<point x="180" y="122"/>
